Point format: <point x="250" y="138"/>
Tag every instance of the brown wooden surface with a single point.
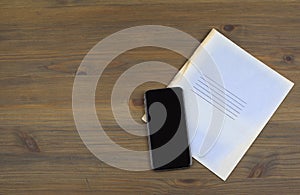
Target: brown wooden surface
<point x="42" y="44"/>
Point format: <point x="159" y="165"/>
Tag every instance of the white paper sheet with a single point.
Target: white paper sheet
<point x="229" y="97"/>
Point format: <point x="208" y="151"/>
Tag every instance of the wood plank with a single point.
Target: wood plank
<point x="42" y="44"/>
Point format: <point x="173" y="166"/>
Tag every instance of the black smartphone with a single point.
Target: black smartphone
<point x="167" y="131"/>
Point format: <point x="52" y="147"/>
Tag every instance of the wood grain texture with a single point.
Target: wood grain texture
<point x="41" y="46"/>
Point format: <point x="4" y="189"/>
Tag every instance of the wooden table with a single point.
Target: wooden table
<point x="42" y="43"/>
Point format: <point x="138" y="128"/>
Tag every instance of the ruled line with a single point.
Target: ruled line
<point x="225" y="89"/>
<point x="213" y="105"/>
<point x="236" y="101"/>
<point x="224" y="107"/>
<point x="220" y="99"/>
<point x="220" y="96"/>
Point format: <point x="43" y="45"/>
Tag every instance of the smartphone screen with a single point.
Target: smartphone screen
<point x="168" y="138"/>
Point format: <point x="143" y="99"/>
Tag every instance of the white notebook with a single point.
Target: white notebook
<point x="229" y="97"/>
